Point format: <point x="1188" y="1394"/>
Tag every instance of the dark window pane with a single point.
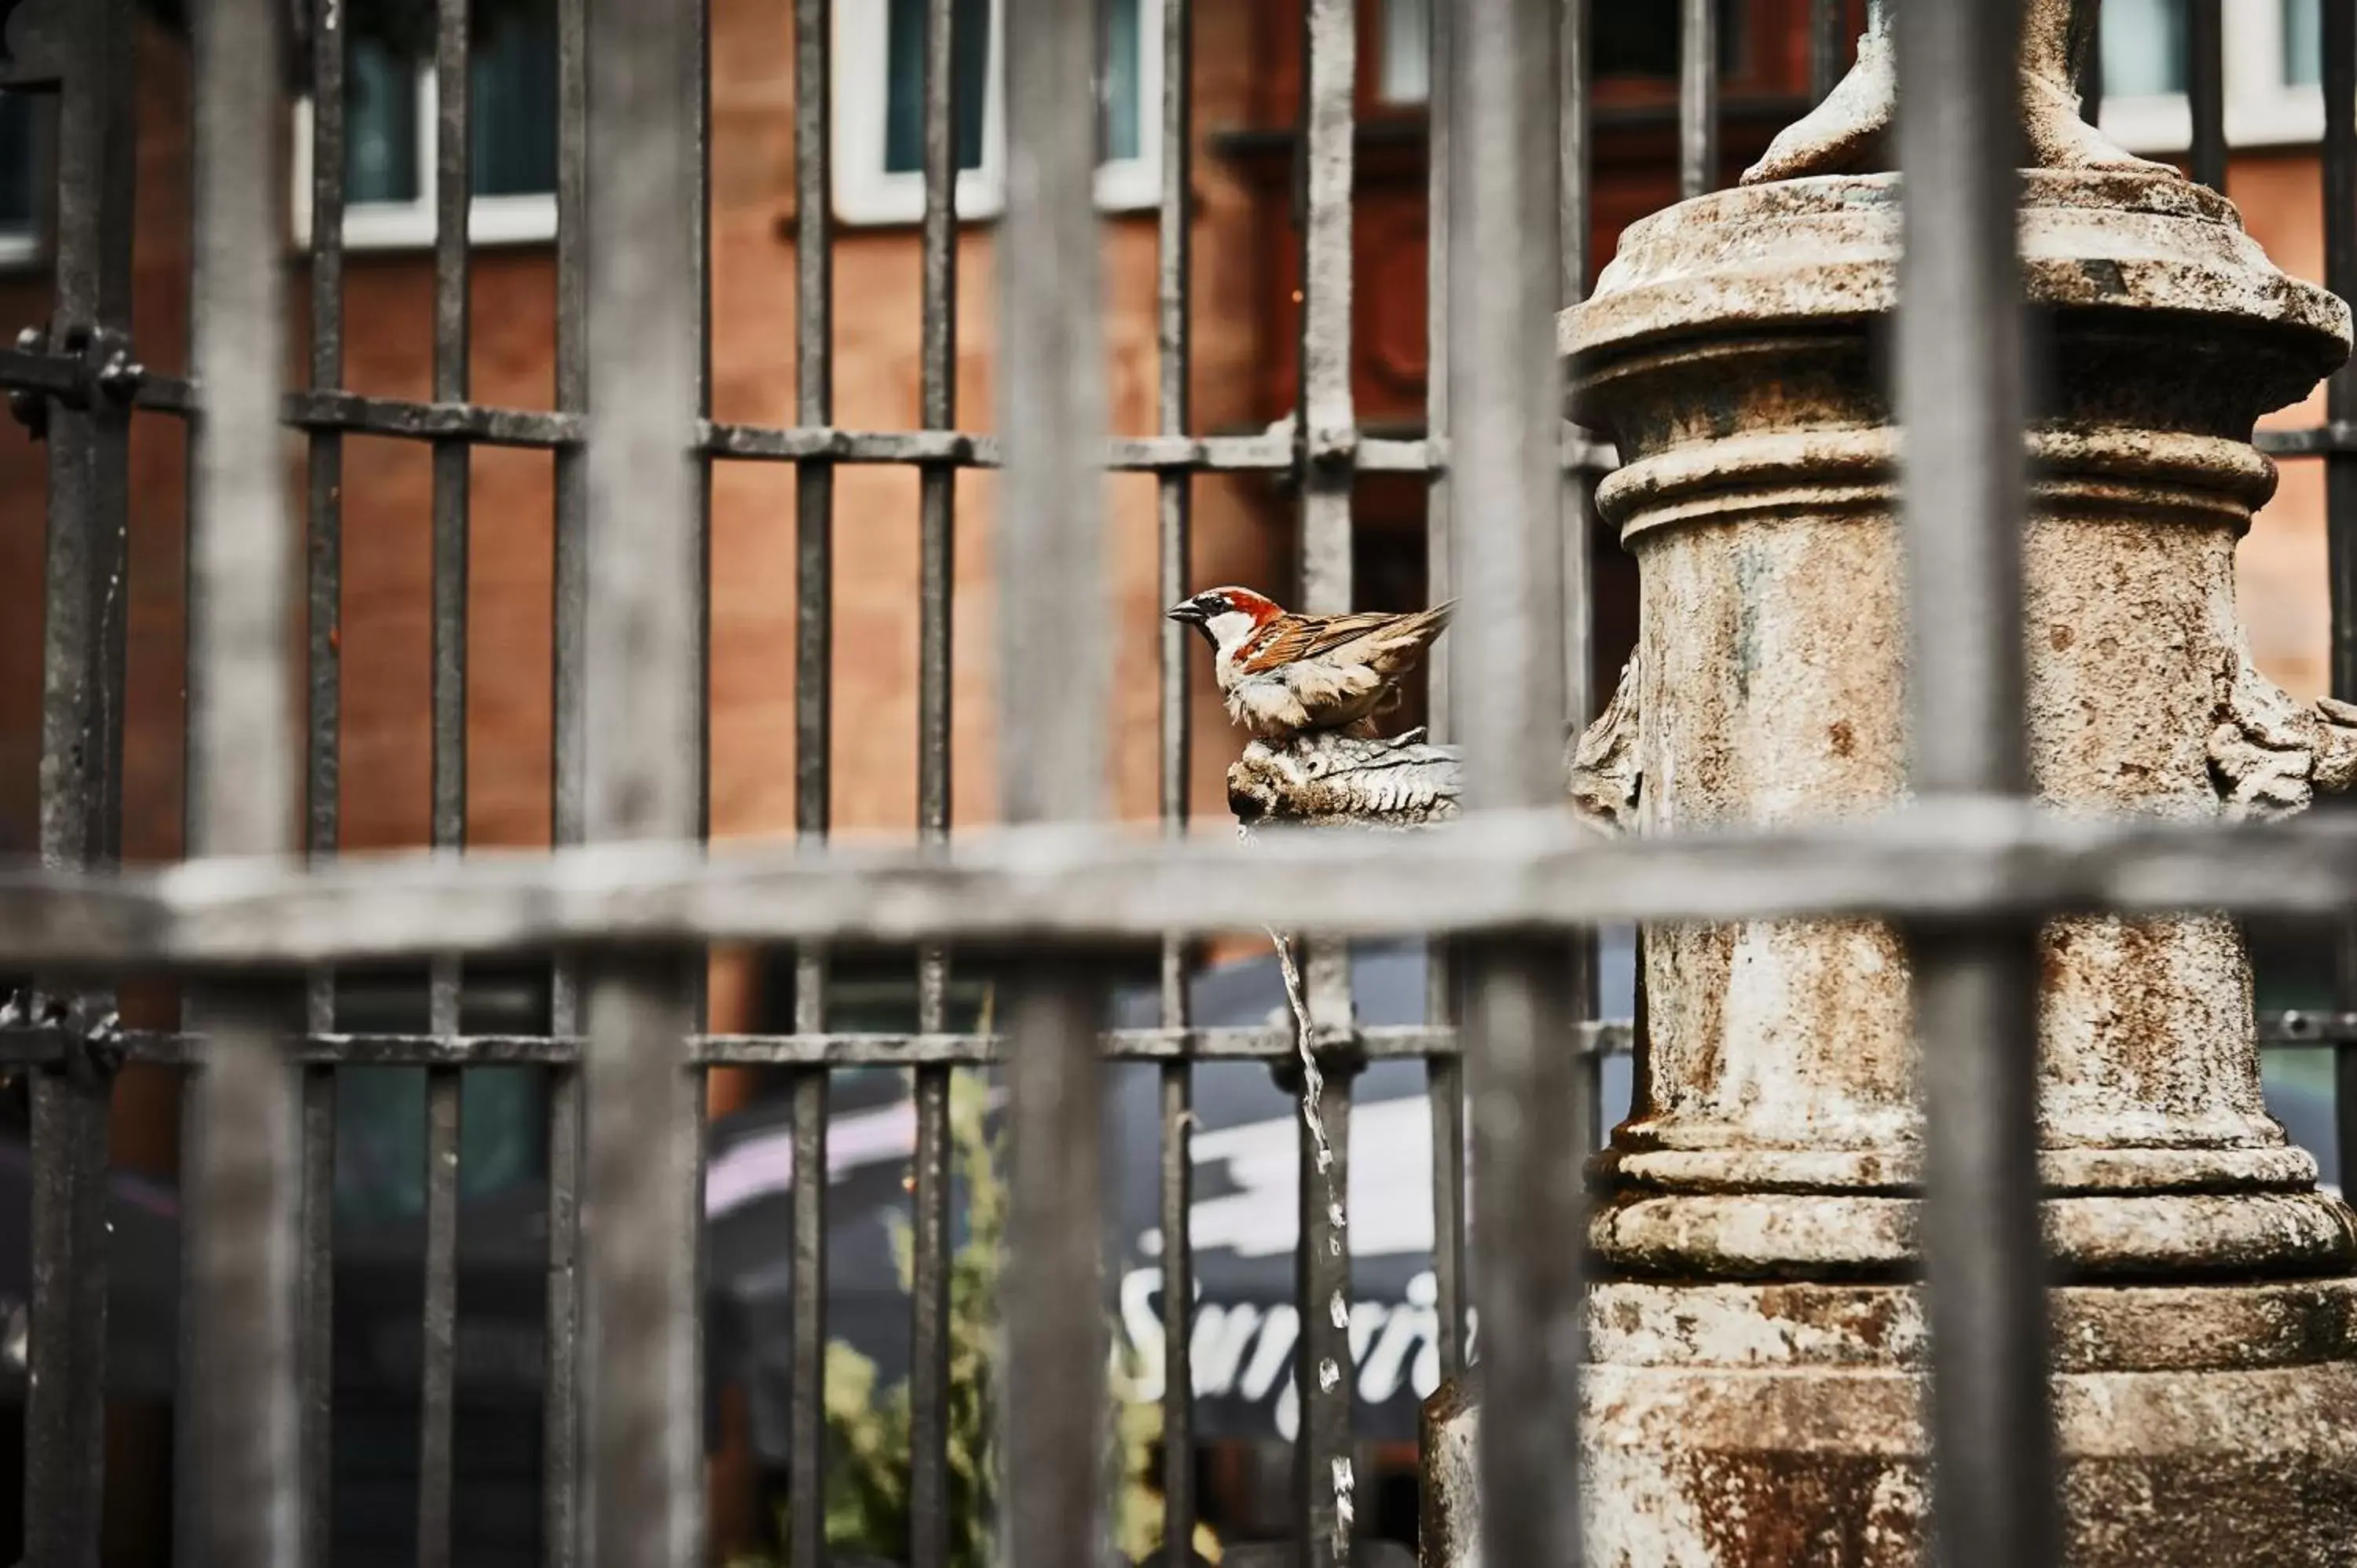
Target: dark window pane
<point x="381" y="1112"/>
<point x="1124" y="79"/>
<point x="20" y="206"/>
<point x="380" y="125"/>
<point x="1639" y="38"/>
<point x="904" y="101"/>
<point x="2303" y="44"/>
<point x="2143" y="47"/>
<point x="515" y="124"/>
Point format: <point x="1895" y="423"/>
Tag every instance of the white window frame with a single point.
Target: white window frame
<point x="524" y="219"/>
<point x="2262" y="109"/>
<point x="865" y="193"/>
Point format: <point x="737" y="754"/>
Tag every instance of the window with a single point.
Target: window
<point x="1633" y="43"/>
<point x="20" y="166"/>
<point x="2273" y="60"/>
<point x="380" y="1110"/>
<point x="388" y="110"/>
<point x="879" y="49"/>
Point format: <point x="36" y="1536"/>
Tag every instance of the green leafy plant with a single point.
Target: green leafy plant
<point x="868" y="1428"/>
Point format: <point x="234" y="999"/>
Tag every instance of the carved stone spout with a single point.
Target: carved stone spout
<point x="1849" y="132"/>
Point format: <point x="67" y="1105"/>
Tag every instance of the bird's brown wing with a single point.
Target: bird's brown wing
<point x="1386" y="638"/>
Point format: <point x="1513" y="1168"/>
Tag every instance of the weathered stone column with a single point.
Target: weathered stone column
<point x="1753" y="1391"/>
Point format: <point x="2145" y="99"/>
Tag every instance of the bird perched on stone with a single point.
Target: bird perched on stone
<point x="1284" y="674"/>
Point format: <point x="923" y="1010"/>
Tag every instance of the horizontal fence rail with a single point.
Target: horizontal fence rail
<point x="1958" y="858"/>
<point x="1510" y="896"/>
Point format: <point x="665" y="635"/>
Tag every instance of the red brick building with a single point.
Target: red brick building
<point x="1247" y="87"/>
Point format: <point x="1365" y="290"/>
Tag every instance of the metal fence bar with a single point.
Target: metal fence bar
<point x="929" y="1369"/>
<point x="690" y="1109"/>
<point x="1961" y="400"/>
<point x="1829" y="42"/>
<point x="242" y="764"/>
<point x="1325" y="1374"/>
<point x="1697" y="97"/>
<point x="641" y="776"/>
<point x="2205" y="89"/>
<point x="2091" y="77"/>
<point x="323" y="659"/>
<point x="453" y="193"/>
<point x="814" y="737"/>
<point x="1051" y="707"/>
<point x="1174" y="517"/>
<point x="1506" y="281"/>
<point x="1575" y="210"/>
<point x="561" y="1469"/>
<point x="1411" y="1042"/>
<point x="1444" y="1080"/>
<point x="1941" y="859"/>
<point x="83" y="645"/>
<point x="2339" y="22"/>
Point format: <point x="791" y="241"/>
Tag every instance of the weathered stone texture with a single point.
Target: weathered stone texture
<point x="1753" y="1387"/>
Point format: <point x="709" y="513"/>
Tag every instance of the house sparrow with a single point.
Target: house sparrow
<point x="1283" y="673"/>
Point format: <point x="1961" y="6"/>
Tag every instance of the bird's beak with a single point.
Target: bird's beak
<point x="1187" y="610"/>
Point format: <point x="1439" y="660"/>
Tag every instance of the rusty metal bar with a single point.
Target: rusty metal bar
<point x="1052" y="608"/>
<point x="2205" y="89"/>
<point x="1328" y="424"/>
<point x="642" y="774"/>
<point x="1960" y="397"/>
<point x="2340" y="219"/>
<point x="1943" y="859"/>
<point x="561" y="1400"/>
<point x="1325" y="1372"/>
<point x="929" y="1367"/>
<point x="1445" y="1079"/>
<point x="1697" y="97"/>
<point x="323" y="656"/>
<point x="1406" y="1042"/>
<point x="1175" y="522"/>
<point x="242" y="764"/>
<point x="1507" y="278"/>
<point x="1829" y="45"/>
<point x="84" y="611"/>
<point x="453" y="192"/>
<point x="814" y="737"/>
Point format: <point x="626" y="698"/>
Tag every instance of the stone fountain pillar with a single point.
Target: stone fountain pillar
<point x="1754" y="1380"/>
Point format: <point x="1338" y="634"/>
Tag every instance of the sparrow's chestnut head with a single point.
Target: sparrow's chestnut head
<point x="1225" y="615"/>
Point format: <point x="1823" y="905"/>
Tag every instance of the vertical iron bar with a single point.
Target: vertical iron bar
<point x="814" y="737"/>
<point x="1329" y="422"/>
<point x="693" y="61"/>
<point x="2091" y="77"/>
<point x="561" y="1400"/>
<point x="1329" y="431"/>
<point x="1174" y="523"/>
<point x="1828" y="46"/>
<point x="2205" y="90"/>
<point x="322" y="779"/>
<point x="1445" y="1076"/>
<point x="1052" y="690"/>
<point x="1507" y="277"/>
<point x="453" y="187"/>
<point x="1697" y="97"/>
<point x="81" y="792"/>
<point x="242" y="767"/>
<point x="641" y="751"/>
<point x="2340" y="160"/>
<point x="1959" y="397"/>
<point x="928" y="1340"/>
<point x="1574" y="207"/>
